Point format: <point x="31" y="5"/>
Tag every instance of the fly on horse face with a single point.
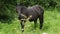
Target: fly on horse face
<point x="31" y="14"/>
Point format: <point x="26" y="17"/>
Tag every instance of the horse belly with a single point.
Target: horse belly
<point x="33" y="13"/>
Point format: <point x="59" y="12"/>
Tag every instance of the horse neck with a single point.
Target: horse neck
<point x="23" y="9"/>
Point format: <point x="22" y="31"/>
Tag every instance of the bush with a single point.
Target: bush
<point x="7" y="9"/>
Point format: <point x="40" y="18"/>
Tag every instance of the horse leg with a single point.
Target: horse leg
<point x="41" y="21"/>
<point x="35" y="21"/>
<point x="22" y="26"/>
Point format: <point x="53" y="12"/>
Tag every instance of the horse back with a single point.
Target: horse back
<point x="36" y="9"/>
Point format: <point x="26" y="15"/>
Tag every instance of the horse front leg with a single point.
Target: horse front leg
<point x="35" y="22"/>
<point x="22" y="25"/>
<point x="41" y="21"/>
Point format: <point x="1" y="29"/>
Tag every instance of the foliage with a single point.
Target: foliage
<point x="7" y="9"/>
<point x="51" y="25"/>
<point x="44" y="3"/>
<point x="8" y="12"/>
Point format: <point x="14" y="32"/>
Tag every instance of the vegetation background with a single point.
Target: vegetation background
<point x="9" y="23"/>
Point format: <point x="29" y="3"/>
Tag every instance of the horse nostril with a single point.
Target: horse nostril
<point x="23" y="20"/>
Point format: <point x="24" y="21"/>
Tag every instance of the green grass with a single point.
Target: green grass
<point x="51" y="25"/>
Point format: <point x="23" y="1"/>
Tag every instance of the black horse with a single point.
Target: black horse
<point x="30" y="13"/>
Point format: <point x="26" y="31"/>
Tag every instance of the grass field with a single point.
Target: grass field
<point x="51" y="25"/>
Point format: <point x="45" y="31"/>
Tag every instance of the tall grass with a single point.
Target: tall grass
<point x="51" y="25"/>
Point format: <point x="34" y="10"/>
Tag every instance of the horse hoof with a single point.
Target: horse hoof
<point x="22" y="30"/>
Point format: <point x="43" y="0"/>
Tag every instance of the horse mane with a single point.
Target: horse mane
<point x="35" y="6"/>
<point x="18" y="6"/>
